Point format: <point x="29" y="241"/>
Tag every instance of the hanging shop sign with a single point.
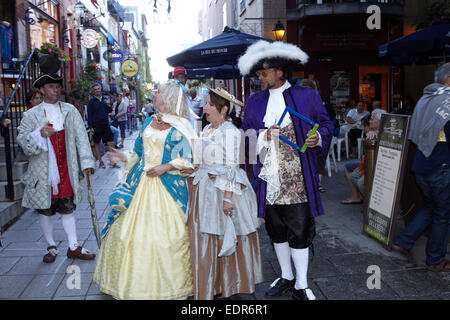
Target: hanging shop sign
<point x="115" y="55"/>
<point x="89" y="38"/>
<point x="129" y="68"/>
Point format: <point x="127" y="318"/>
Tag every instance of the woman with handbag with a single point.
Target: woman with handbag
<point x="145" y="251"/>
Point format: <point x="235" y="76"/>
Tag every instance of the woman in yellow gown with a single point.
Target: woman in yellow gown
<point x="145" y="253"/>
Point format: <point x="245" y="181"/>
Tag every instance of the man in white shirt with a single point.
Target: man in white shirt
<point x="353" y="124"/>
<point x="54" y="137"/>
<point x="286" y="188"/>
<point x="196" y="102"/>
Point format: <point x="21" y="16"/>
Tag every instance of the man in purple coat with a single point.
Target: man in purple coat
<point x="286" y="183"/>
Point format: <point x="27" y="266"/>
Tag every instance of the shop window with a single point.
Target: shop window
<point x="7" y="31"/>
<point x="242" y="6"/>
<point x="44" y="31"/>
<point x="373" y="86"/>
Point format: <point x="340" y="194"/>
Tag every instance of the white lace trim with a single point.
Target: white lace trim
<point x="269" y="171"/>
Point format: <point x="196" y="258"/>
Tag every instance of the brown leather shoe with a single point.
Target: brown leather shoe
<point x="77" y="253"/>
<point x="443" y="266"/>
<point x="408" y="254"/>
<point x="50" y="256"/>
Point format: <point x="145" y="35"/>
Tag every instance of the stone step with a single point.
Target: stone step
<point x="19" y="188"/>
<point x="9" y="212"/>
<point x="19" y="169"/>
<point x="18" y="149"/>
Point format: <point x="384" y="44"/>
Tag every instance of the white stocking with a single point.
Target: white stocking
<point x="300" y="257"/>
<point x="283" y="253"/>
<point x="47" y="228"/>
<point x="68" y="222"/>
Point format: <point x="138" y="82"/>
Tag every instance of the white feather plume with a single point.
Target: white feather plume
<point x="266" y="50"/>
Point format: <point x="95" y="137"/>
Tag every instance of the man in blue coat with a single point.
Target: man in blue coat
<point x="286" y="181"/>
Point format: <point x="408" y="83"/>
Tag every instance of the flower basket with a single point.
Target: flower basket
<point x="50" y="58"/>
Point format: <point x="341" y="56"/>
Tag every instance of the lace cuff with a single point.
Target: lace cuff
<point x="40" y="141"/>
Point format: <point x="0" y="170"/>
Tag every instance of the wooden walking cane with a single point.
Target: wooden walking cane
<point x="91" y="200"/>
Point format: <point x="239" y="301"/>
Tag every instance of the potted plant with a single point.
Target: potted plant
<point x="50" y="57"/>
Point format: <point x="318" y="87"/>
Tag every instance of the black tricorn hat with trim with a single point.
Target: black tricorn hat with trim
<point x="47" y="78"/>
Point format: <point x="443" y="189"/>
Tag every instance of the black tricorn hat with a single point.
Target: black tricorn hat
<point x="47" y="78"/>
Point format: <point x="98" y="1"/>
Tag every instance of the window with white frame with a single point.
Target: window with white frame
<point x="242" y="6"/>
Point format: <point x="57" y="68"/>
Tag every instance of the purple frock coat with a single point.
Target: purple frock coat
<point x="307" y="102"/>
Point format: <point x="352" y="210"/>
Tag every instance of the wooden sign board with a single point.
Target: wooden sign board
<point x="388" y="176"/>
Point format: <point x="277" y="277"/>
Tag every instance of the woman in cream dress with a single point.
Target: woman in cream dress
<point x="145" y="251"/>
<point x="222" y="220"/>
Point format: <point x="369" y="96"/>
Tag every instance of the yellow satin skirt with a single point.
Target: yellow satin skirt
<point x="146" y="253"/>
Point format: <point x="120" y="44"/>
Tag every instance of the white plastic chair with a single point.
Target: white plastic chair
<point x="360" y="145"/>
<point x="339" y="143"/>
<point x="333" y="155"/>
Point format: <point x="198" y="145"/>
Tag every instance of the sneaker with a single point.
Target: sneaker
<point x="279" y="287"/>
<point x="303" y="294"/>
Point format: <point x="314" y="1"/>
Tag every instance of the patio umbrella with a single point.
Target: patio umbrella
<point x="224" y="49"/>
<point x="427" y="46"/>
<point x="91" y="200"/>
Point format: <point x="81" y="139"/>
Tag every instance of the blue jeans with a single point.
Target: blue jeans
<point x="352" y="165"/>
<point x="435" y="189"/>
<point x="115" y="132"/>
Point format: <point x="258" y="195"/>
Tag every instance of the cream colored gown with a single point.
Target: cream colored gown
<point x="146" y="254"/>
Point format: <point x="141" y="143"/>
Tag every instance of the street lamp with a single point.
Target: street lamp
<point x="279" y="31"/>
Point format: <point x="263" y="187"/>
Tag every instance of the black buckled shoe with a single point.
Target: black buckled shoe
<point x="279" y="287"/>
<point x="302" y="295"/>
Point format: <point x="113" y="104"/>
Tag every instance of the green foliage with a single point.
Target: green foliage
<point x="82" y="86"/>
<point x="48" y="48"/>
<point x="432" y="13"/>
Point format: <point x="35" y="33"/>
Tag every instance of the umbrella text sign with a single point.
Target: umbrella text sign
<point x="214" y="51"/>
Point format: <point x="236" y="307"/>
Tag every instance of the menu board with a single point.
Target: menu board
<point x="387" y="179"/>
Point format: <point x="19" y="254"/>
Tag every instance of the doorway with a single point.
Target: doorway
<point x="374" y="85"/>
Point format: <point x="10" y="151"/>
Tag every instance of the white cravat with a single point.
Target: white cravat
<point x="54" y="115"/>
<point x="276" y="106"/>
